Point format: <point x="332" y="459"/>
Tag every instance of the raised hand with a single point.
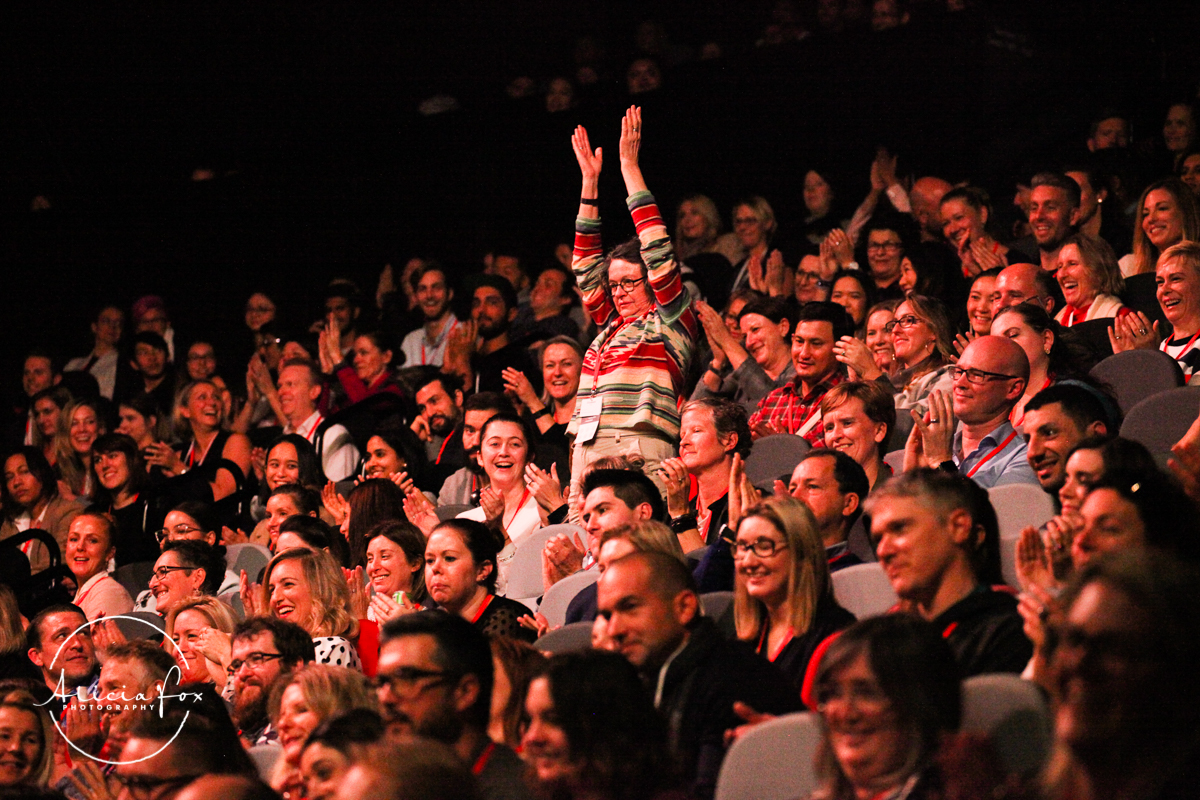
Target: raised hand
<point x="675" y="477"/>
<point x="742" y="494"/>
<point x="1033" y="564"/>
<point x="962" y="340"/>
<point x="545" y="487"/>
<point x="984" y="258"/>
<point x="335" y="504"/>
<point x="420" y="512"/>
<point x="1186" y="462"/>
<point x="562" y="556"/>
<point x="517" y="385"/>
<point x="631" y="135"/>
<point x="1133" y="332"/>
<point x="386" y="608"/>
<point x="253" y="602"/>
<point x="854" y="354"/>
<point x="258" y="461"/>
<point x="754" y="273"/>
<point x="215" y="645"/>
<point x="775" y="278"/>
<point x="936" y="428"/>
<point x="841" y="249"/>
<point x="358" y="591"/>
<point x="590" y="161"/>
<point x="492" y="502"/>
<point x="536" y="623"/>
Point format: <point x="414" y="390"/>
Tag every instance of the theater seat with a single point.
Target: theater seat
<point x="1160" y="421"/>
<point x="559" y="596"/>
<point x="715" y="604"/>
<point x="863" y="590"/>
<point x="773" y="457"/>
<point x="525" y="569"/>
<point x="572" y="638"/>
<point x="772" y="761"/>
<point x="142" y="625"/>
<point x="250" y="557"/>
<point x="1012" y="712"/>
<point x="450" y="512"/>
<point x="1138" y="374"/>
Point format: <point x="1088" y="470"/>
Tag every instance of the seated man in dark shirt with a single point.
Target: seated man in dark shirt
<point x="652" y="615"/>
<point x="937" y="538"/>
<point x="545" y="315"/>
<point x="480" y="350"/>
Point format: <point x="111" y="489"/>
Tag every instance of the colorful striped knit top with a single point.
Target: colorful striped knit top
<point x="637" y="366"/>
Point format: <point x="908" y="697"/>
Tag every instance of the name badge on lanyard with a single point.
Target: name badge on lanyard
<point x="589" y="419"/>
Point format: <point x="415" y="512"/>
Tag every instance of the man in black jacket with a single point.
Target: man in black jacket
<point x="653" y="618"/>
<point x="938" y="541"/>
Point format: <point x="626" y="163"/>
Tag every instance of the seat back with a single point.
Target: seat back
<point x="863" y="590"/>
<point x="1161" y="420"/>
<point x="525" y="569"/>
<point x="250" y="557"/>
<point x="895" y="460"/>
<point x="1137" y="374"/>
<point x="715" y="604"/>
<point x="572" y="638"/>
<point x="1018" y="506"/>
<point x="559" y="596"/>
<point x="773" y="457"/>
<point x="450" y="512"/>
<point x="1012" y="712"/>
<point x="134" y="577"/>
<point x="35" y="590"/>
<point x="772" y="761"/>
<point x="142" y="625"/>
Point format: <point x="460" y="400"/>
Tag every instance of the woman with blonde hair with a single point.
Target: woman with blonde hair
<point x="698" y="230"/>
<point x="307" y="587"/>
<point x="1167" y="213"/>
<point x="26" y="736"/>
<point x="201" y="628"/>
<point x="13" y="661"/>
<point x="79" y="425"/>
<point x="301" y="702"/>
<point x="783" y="601"/>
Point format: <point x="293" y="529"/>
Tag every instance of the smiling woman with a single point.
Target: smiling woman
<point x="30" y="499"/>
<point x="307" y="587"/>
<point x="25" y="734"/>
<point x="89" y="548"/>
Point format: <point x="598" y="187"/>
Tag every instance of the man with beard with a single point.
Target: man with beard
<point x="435" y="680"/>
<point x="480" y="350"/>
<point x="426" y="346"/>
<point x="1056" y="420"/>
<point x="299" y="388"/>
<point x="438" y="424"/>
<point x="264" y="650"/>
<point x="64" y="653"/>
<point x="1054" y="214"/>
<point x="463" y="487"/>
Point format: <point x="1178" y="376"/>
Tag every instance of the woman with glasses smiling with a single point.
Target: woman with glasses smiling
<point x="186" y="569"/>
<point x="633" y="373"/>
<point x="783" y="602"/>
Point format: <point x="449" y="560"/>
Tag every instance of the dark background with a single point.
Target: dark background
<point x="307" y="114"/>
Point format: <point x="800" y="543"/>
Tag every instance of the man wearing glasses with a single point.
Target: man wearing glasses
<point x="435" y="680"/>
<point x="989" y="379"/>
<point x="263" y="650"/>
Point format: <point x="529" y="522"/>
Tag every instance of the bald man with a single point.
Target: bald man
<point x="1021" y="282"/>
<point x="926" y="200"/>
<point x="969" y="432"/>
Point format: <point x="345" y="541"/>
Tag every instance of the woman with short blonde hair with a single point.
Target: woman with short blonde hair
<point x="307" y="587"/>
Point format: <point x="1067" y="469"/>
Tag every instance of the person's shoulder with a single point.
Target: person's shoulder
<point x="503" y="776"/>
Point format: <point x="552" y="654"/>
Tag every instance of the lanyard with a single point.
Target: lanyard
<point x="1186" y="347"/>
<point x="787" y="639"/>
<point x="595" y="371"/>
<point x="481" y="763"/>
<point x="984" y="460"/>
<point x="520" y="505"/>
<point x="487" y="601"/>
<point x="311" y="436"/>
<point x="445" y="442"/>
<point x="191" y="452"/>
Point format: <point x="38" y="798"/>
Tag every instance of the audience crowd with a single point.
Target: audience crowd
<point x="354" y="573"/>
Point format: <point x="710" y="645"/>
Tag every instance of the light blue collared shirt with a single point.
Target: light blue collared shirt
<point x="1004" y="466"/>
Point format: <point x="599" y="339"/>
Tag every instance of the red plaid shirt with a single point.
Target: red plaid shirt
<point x="786" y="410"/>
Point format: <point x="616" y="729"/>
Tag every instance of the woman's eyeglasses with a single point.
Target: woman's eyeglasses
<point x="763" y="548"/>
<point x="627" y="286"/>
<point x="907" y="321"/>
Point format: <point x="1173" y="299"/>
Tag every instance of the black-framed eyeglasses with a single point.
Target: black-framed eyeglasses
<point x="178" y="530"/>
<point x="763" y="548"/>
<point x="404" y="679"/>
<point x="978" y="377"/>
<point x="805" y="277"/>
<point x="907" y="321"/>
<point x="252" y="660"/>
<point x="146" y="785"/>
<point x="886" y="247"/>
<point x="161" y="573"/>
<point x="627" y="285"/>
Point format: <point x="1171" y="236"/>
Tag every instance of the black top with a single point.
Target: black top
<point x="488" y="368"/>
<point x="500" y="617"/>
<point x="136" y="524"/>
<point x="986" y="632"/>
<point x="583" y="606"/>
<point x="502" y="775"/>
<point x="715" y="571"/>
<point x="793" y="659"/>
<point x="449" y="460"/>
<point x="702" y="683"/>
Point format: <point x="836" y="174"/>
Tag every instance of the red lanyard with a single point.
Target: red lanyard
<point x="312" y="434"/>
<point x="787" y="639"/>
<point x="487" y="601"/>
<point x="445" y="442"/>
<point x="984" y="460"/>
<point x="1186" y="347"/>
<point x="481" y="763"/>
<point x="520" y="505"/>
<point x="191" y="453"/>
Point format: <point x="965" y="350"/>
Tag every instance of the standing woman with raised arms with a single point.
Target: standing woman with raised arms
<point x="633" y="373"/>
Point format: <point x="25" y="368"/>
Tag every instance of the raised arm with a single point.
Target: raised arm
<point x="588" y="255"/>
<point x="590" y="162"/>
<point x="631" y="142"/>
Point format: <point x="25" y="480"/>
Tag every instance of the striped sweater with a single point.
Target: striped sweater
<point x="637" y="366"/>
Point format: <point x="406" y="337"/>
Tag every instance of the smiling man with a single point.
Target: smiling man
<point x="1178" y="278"/>
<point x="652" y="614"/>
<point x="67" y="658"/>
<point x="938" y="541"/>
<point x="263" y="651"/>
<point x="989" y="379"/>
<point x="833" y="486"/>
<point x="427" y="344"/>
<point x="299" y="388"/>
<point x="1053" y="214"/>
<point x="435" y="680"/>
<point x="1057" y="419"/>
<point x="795" y="407"/>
